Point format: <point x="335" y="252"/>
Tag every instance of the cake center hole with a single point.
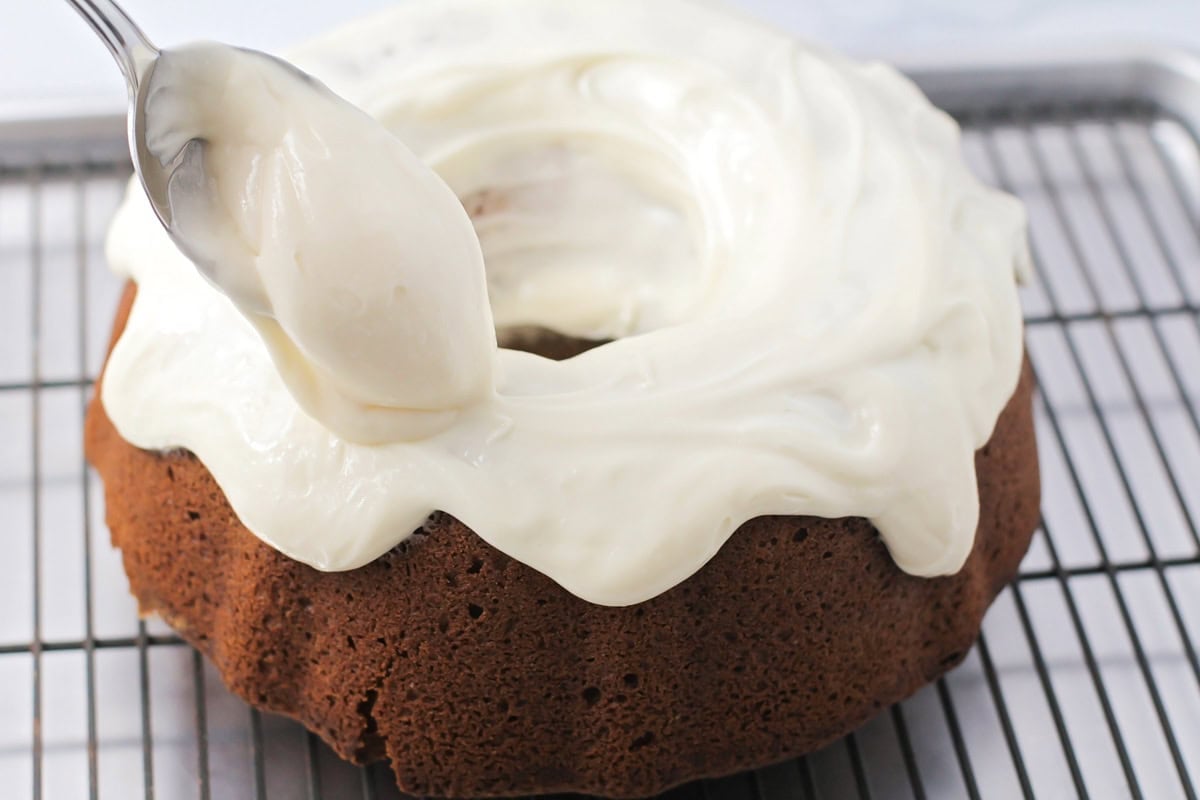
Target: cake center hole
<point x="590" y="239"/>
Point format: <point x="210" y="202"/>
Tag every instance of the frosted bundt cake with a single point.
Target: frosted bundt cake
<point x="754" y="458"/>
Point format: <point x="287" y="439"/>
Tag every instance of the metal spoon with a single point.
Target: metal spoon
<point x="183" y="176"/>
<point x="136" y="56"/>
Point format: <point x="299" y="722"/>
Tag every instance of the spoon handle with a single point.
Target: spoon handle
<point x="128" y="45"/>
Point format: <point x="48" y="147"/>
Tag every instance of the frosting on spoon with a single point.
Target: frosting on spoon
<point x="356" y="264"/>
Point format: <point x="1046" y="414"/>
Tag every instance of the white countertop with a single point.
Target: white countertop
<point x="49" y="58"/>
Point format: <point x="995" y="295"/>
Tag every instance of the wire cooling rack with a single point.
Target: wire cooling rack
<point x="1085" y="682"/>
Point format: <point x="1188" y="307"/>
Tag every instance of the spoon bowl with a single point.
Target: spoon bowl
<point x="137" y="58"/>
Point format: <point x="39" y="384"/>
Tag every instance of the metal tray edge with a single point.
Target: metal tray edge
<point x="59" y="133"/>
<point x="1166" y="76"/>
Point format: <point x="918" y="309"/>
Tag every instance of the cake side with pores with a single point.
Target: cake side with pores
<point x="476" y="675"/>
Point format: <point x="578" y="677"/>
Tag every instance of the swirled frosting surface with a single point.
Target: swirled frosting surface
<point x="817" y="301"/>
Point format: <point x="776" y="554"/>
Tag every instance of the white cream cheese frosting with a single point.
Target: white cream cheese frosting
<point x="818" y="301"/>
<point x="357" y="265"/>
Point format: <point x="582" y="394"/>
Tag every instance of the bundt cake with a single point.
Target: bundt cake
<point x="633" y="395"/>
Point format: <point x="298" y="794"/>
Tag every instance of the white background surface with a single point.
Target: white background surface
<point x="48" y="57"/>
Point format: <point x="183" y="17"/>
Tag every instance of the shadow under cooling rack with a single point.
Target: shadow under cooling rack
<point x="1085" y="682"/>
